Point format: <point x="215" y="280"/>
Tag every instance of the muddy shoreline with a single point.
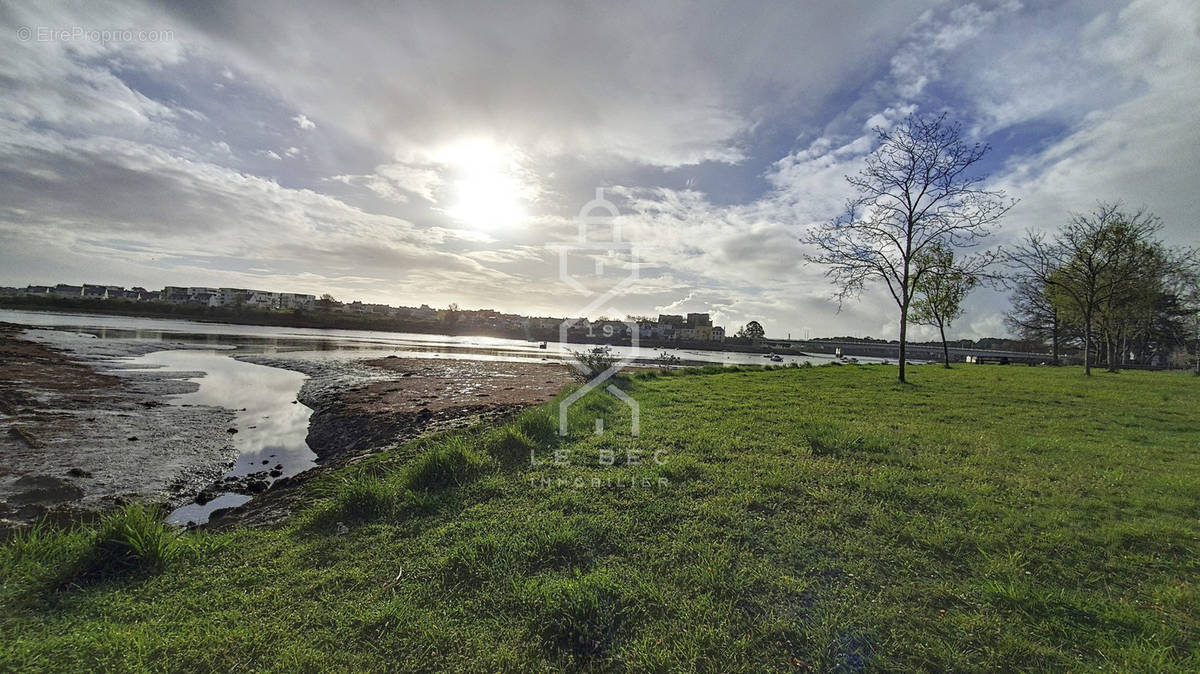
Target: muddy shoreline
<point x="81" y="434"/>
<point x="361" y="407"/>
<point x="82" y="431"/>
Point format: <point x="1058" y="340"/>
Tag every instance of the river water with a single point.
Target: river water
<point x="355" y="344"/>
<point x="271" y="424"/>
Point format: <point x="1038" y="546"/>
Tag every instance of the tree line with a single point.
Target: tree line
<point x="1103" y="283"/>
<point x="1106" y="285"/>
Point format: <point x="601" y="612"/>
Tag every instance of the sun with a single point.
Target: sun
<point x="488" y="190"/>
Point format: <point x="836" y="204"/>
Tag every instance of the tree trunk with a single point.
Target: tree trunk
<point x="1054" y="339"/>
<point x="1197" y="370"/>
<point x="903" y="338"/>
<point x="1087" y="346"/>
<point x="945" y="347"/>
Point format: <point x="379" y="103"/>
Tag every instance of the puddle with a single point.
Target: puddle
<point x="271" y="425"/>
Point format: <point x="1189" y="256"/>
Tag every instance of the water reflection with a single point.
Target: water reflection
<point x="346" y="344"/>
<point x="271" y="425"/>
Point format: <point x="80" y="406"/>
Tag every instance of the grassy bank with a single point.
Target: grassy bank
<point x="825" y="518"/>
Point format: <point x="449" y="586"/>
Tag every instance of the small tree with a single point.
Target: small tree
<point x="941" y="289"/>
<point x="915" y="192"/>
<point x="752" y="330"/>
<point x="451" y="316"/>
<point x="1185" y="282"/>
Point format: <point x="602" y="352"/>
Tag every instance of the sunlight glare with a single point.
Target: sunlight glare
<point x="488" y="193"/>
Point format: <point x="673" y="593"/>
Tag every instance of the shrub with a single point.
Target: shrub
<point x="452" y="462"/>
<point x="591" y="364"/>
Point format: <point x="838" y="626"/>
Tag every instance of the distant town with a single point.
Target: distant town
<point x="261" y="307"/>
<point x="325" y="311"/>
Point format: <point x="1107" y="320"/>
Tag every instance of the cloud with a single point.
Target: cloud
<point x="1141" y="150"/>
<point x="179" y="210"/>
<point x="396" y="181"/>
<point x="723" y="131"/>
<point x="643" y="83"/>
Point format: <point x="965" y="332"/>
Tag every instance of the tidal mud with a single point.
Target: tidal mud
<point x="88" y="424"/>
<point x="80" y="433"/>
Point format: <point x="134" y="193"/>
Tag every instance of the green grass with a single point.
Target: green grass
<point x="984" y="518"/>
<point x="128" y="543"/>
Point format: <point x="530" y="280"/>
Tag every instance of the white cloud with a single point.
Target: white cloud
<point x="640" y="82"/>
<point x="396" y="181"/>
<point x="104" y="168"/>
<point x="1142" y="150"/>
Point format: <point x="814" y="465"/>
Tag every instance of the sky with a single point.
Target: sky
<point x="441" y="152"/>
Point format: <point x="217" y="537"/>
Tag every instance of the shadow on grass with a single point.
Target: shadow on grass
<point x="127" y="544"/>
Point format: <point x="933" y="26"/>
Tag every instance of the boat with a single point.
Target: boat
<point x="602" y="350"/>
<point x="542" y="345"/>
<point x="776" y="358"/>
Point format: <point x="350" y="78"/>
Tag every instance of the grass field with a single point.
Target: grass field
<point x="984" y="518"/>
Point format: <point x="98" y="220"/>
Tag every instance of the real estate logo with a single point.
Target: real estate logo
<point x="612" y="252"/>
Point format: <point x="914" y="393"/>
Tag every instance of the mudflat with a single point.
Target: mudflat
<point x="76" y="439"/>
<point x="83" y="429"/>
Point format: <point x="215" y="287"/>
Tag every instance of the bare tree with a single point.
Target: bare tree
<point x="1184" y="281"/>
<point x="1035" y="318"/>
<point x="1034" y="314"/>
<point x="943" y="285"/>
<point x="1091" y="265"/>
<point x="915" y="192"/>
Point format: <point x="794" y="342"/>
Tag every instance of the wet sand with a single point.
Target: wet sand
<point x="78" y="435"/>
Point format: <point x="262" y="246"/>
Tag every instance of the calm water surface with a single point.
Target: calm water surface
<point x="344" y="344"/>
<point x="271" y="424"/>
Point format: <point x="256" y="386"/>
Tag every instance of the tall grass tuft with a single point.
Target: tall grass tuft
<point x="581" y="613"/>
<point x="363" y="497"/>
<point x="129" y="541"/>
<point x="539" y="425"/>
<point x="510" y="445"/>
<point x="40" y="557"/>
<point x="450" y="463"/>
